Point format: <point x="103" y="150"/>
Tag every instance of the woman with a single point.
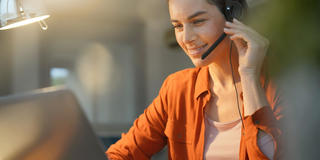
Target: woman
<point x="198" y="113"/>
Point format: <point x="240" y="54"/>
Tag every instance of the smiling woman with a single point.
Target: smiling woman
<point x="196" y="27"/>
<point x="224" y="108"/>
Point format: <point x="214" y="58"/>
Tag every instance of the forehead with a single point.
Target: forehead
<point x="184" y="8"/>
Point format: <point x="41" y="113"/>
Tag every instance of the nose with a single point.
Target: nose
<point x="189" y="35"/>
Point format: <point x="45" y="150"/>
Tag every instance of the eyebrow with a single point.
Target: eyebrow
<point x="192" y="16"/>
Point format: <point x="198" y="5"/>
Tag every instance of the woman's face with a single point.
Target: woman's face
<point x="198" y="25"/>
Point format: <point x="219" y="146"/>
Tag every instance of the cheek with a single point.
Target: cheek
<point x="179" y="39"/>
<point x="212" y="30"/>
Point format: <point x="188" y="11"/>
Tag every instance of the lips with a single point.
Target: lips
<point x="196" y="51"/>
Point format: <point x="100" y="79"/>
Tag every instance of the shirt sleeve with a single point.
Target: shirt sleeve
<point x="268" y="120"/>
<point x="146" y="136"/>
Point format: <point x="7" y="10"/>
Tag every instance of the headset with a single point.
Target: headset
<point x="233" y="9"/>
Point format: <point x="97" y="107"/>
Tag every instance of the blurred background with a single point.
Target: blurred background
<point x="292" y="27"/>
<point x="114" y="55"/>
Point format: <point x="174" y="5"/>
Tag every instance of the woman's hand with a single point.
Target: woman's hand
<point x="251" y="46"/>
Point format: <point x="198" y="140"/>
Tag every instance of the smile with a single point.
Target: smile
<point x="196" y="51"/>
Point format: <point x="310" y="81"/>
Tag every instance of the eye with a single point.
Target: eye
<point x="178" y="27"/>
<point x="199" y="21"/>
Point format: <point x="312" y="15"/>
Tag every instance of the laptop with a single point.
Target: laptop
<point x="46" y="124"/>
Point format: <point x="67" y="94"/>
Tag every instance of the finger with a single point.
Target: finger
<point x="238" y="26"/>
<point x="243" y="38"/>
<point x="241" y="45"/>
<point x="247" y="35"/>
<point x="248" y="32"/>
<point x="232" y="31"/>
<point x="237" y="34"/>
<point x="231" y="25"/>
<point x="236" y="21"/>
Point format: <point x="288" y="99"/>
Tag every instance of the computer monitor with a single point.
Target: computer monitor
<point x="46" y="124"/>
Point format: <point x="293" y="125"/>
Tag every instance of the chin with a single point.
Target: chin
<point x="200" y="63"/>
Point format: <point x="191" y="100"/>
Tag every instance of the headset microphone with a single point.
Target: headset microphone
<point x="233" y="9"/>
<point x="215" y="44"/>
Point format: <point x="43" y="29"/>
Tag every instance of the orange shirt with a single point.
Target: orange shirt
<point x="176" y="118"/>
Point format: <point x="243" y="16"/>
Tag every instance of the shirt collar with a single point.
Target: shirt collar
<point x="202" y="82"/>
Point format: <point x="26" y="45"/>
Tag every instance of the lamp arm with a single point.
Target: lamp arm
<point x="20" y="8"/>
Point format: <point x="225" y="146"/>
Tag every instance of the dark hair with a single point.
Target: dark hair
<point x="221" y="5"/>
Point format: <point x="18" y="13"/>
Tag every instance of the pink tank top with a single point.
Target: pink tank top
<point x="222" y="140"/>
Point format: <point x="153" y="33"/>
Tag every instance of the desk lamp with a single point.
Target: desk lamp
<point x="15" y="13"/>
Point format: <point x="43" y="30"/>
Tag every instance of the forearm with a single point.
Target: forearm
<point x="262" y="110"/>
<point x="253" y="94"/>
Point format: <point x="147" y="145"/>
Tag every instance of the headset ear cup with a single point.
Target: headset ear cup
<point x="235" y="9"/>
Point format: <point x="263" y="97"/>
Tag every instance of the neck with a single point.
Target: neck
<point x="221" y="71"/>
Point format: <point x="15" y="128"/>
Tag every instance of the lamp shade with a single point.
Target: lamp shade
<point x="15" y="13"/>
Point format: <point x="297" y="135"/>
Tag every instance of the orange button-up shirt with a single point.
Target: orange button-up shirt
<point x="176" y="118"/>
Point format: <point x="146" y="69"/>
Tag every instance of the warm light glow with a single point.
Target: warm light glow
<point x="24" y="22"/>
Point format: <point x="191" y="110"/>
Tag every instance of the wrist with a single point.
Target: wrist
<point x="248" y="69"/>
<point x="253" y="93"/>
<point x="249" y="75"/>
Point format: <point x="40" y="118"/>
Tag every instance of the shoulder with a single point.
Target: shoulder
<point x="182" y="85"/>
<point x="183" y="78"/>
